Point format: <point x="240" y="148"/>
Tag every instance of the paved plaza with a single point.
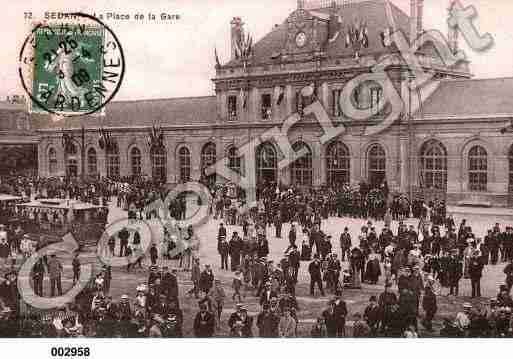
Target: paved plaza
<point x="310" y="307"/>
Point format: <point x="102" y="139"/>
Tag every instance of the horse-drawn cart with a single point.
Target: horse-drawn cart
<point x="50" y="219"/>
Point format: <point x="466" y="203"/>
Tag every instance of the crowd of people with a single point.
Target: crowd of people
<point x="414" y="266"/>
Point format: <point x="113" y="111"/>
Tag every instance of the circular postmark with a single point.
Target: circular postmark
<point x="71" y="68"/>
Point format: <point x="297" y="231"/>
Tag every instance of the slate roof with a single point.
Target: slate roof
<point x="470" y="98"/>
<point x="174" y="111"/>
<point x="373" y="12"/>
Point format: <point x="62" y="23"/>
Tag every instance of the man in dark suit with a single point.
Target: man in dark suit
<point x="204" y="323"/>
<point x="123" y="236"/>
<point x="315" y="275"/>
<point x="267" y="294"/>
<point x="170" y="284"/>
<point x="206" y="280"/>
<point x="340" y="316"/>
<point x="475" y="271"/>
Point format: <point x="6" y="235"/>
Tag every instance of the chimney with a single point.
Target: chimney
<point x="452" y="33"/>
<point x="236" y="34"/>
<point x="416" y="15"/>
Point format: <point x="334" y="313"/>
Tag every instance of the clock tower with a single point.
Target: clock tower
<point x="305" y="33"/>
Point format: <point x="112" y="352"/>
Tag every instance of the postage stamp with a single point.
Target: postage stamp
<point x="71" y="68"/>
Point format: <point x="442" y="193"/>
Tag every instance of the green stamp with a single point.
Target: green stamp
<point x="68" y="66"/>
<point x="71" y="69"/>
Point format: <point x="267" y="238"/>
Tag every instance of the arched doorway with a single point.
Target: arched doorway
<point x="477" y="169"/>
<point x="92" y="164"/>
<point x="267" y="163"/>
<point x="158" y="163"/>
<point x="113" y="161"/>
<point x="52" y="161"/>
<point x="433" y="170"/>
<point x="301" y="170"/>
<point x="208" y="158"/>
<point x="338" y="164"/>
<point x="184" y="164"/>
<point x="377" y="164"/>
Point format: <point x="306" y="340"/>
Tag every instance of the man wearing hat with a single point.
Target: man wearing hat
<point x="38" y="273"/>
<point x="454" y="272"/>
<point x="267" y="294"/>
<point x="204" y="323"/>
<point x="475" y="272"/>
<point x="267" y="323"/>
<point x="170" y="283"/>
<point x="153" y="275"/>
<point x="55" y="271"/>
<point x="387" y="300"/>
<point x="315" y="275"/>
<point x="154" y="254"/>
<point x="125" y="312"/>
<point x="462" y="321"/>
<point x="345" y="244"/>
<point x="240" y="322"/>
<point x="4" y="247"/>
<point x="206" y="280"/>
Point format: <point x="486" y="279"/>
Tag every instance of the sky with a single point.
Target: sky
<point x="175" y="58"/>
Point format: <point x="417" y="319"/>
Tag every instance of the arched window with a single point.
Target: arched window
<point x="52" y="161"/>
<point x="301" y="170"/>
<point x="477" y="169"/>
<point x="113" y="162"/>
<point x="92" y="166"/>
<point x="267" y="163"/>
<point x="135" y="161"/>
<point x="234" y="160"/>
<point x="433" y="159"/>
<point x="158" y="163"/>
<point x="71" y="160"/>
<point x="184" y="160"/>
<point x="338" y="164"/>
<point x="208" y="158"/>
<point x="377" y="163"/>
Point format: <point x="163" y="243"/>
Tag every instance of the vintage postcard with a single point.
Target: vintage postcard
<point x="240" y="169"/>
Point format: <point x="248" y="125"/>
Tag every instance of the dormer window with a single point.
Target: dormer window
<point x="266" y="107"/>
<point x="299" y="103"/>
<point x="336" y="110"/>
<point x="232" y="108"/>
<point x="376" y="94"/>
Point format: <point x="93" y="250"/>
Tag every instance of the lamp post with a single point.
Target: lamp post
<point x="82" y="154"/>
<point x="411" y="77"/>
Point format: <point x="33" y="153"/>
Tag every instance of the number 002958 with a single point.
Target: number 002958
<point x="70" y="352"/>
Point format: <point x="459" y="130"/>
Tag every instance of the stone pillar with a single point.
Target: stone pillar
<point x="42" y="160"/>
<point x="500" y="178"/>
<point x="317" y="165"/>
<point x="145" y="159"/>
<point x="325" y="96"/>
<point x="102" y="162"/>
<point x="289" y="99"/>
<point x="455" y="168"/>
<point x="195" y="160"/>
<point x="403" y="160"/>
<point x="124" y="164"/>
<point x="171" y="165"/>
<point x="357" y="163"/>
<point x="254" y="106"/>
<point x="321" y="163"/>
<point x="61" y="160"/>
<point x="222" y="105"/>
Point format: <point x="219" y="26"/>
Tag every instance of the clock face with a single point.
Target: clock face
<point x="301" y="39"/>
